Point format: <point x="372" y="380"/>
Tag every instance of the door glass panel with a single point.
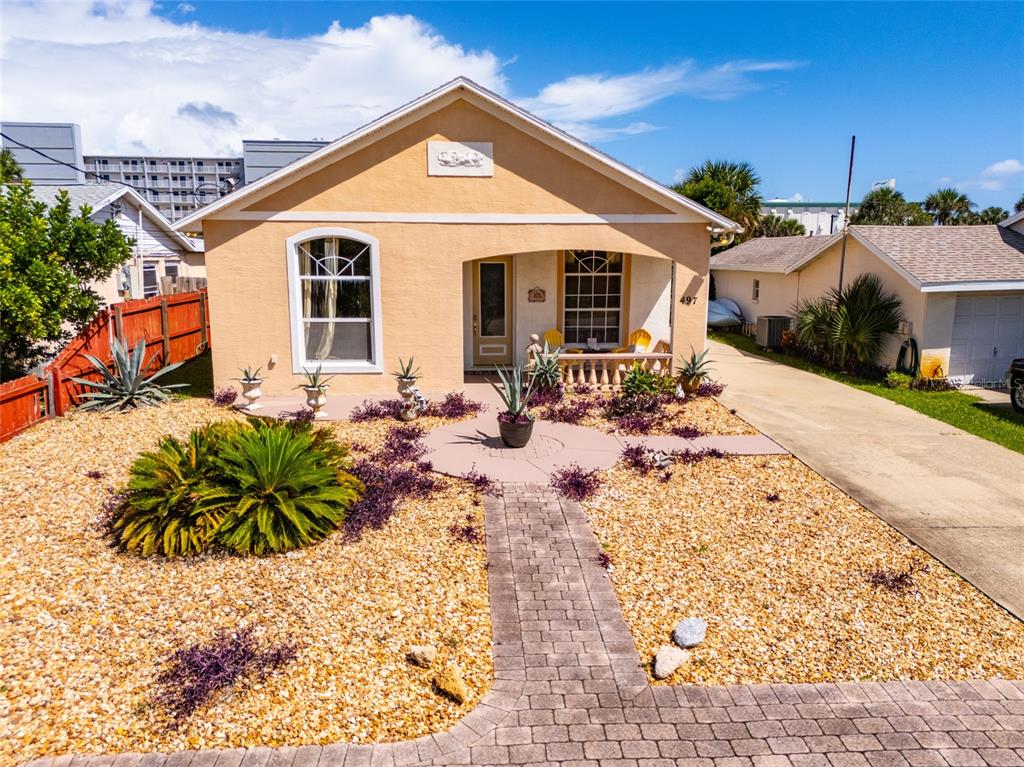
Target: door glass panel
<point x="492" y="299"/>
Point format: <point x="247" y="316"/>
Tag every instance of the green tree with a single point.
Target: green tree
<point x="992" y="215"/>
<point x="1019" y="205"/>
<point x="728" y="188"/>
<point x="887" y="207"/>
<point x="10" y="170"/>
<point x="48" y="257"/>
<point x="776" y="226"/>
<point x="948" y="207"/>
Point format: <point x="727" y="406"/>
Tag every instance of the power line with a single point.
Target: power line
<point x="41" y="153"/>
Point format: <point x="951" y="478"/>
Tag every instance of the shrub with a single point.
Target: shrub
<point x="686" y="431"/>
<point x="254" y="488"/>
<point x="467" y="532"/>
<point x="895" y="380"/>
<point x="278" y="491"/>
<point x="622" y="404"/>
<point x="689" y="456"/>
<point x="709" y="389"/>
<point x="547" y="396"/>
<point x="637" y="423"/>
<point x="376" y="410"/>
<point x="454" y="405"/>
<point x="638" y="457"/>
<point x="128" y="383"/>
<point x="163" y="509"/>
<point x="604" y="560"/>
<point x="639" y="382"/>
<point x="225" y="397"/>
<point x="582" y="388"/>
<point x="893" y="580"/>
<point x="570" y="411"/>
<point x="195" y="673"/>
<point x="575" y="483"/>
<point x="848" y="325"/>
<point x="481" y="482"/>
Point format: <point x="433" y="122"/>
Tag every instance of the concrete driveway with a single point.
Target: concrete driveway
<point x="958" y="496"/>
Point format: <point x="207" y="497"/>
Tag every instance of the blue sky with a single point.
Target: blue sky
<point x="934" y="92"/>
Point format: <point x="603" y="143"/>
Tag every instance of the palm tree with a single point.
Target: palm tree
<point x="728" y="188"/>
<point x="992" y="215"/>
<point x="948" y="206"/>
<point x="1019" y="205"/>
<point x="776" y="226"/>
<point x="887" y="207"/>
<point x="10" y="170"/>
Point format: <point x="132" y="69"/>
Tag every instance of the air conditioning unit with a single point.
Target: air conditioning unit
<point x="770" y="329"/>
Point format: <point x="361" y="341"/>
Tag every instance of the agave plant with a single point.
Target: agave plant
<point x="696" y="367"/>
<point x="546" y="374"/>
<point x="128" y="384"/>
<point x="513" y="394"/>
<point x="249" y="374"/>
<point x="278" y="491"/>
<point x="162" y="511"/>
<point x="406" y="371"/>
<point x="315" y="379"/>
<point x="849" y="325"/>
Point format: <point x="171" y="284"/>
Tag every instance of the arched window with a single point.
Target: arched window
<point x="334" y="284"/>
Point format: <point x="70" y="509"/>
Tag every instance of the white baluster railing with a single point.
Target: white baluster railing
<point x="606" y="371"/>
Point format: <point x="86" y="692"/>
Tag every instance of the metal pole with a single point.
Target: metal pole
<point x="846" y="214"/>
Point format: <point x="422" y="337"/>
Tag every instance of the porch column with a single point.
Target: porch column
<point x="689" y="310"/>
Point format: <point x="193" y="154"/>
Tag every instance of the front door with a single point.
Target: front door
<point x="492" y="311"/>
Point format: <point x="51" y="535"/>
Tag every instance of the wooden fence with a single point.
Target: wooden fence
<point x="176" y="328"/>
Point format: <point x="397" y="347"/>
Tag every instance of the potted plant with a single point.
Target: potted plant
<point x="251" y="381"/>
<point x="693" y="371"/>
<point x="406" y="375"/>
<point x="515" y="423"/>
<point x="316" y="390"/>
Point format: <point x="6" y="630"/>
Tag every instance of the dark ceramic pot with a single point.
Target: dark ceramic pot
<point x="515" y="434"/>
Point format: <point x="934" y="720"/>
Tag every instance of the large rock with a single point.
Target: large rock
<point x="667" y="660"/>
<point x="422" y="655"/>
<point x="690" y="632"/>
<point x="451" y="683"/>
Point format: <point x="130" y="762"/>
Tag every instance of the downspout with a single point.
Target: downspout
<point x="138" y="255"/>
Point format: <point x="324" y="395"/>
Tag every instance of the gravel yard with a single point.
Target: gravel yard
<point x="85" y="629"/>
<point x="786" y="584"/>
<point x="703" y="413"/>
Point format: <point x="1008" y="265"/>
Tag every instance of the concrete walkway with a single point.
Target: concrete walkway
<point x="570" y="689"/>
<point x="456" y="447"/>
<point x="958" y="496"/>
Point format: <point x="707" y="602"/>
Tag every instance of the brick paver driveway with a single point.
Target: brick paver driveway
<point x="570" y="689"/>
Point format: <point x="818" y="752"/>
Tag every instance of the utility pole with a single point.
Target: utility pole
<point x="846" y="215"/>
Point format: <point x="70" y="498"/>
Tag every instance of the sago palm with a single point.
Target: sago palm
<point x="947" y="205"/>
<point x="277" y="491"/>
<point x="162" y="512"/>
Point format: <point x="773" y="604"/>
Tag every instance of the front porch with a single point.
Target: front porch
<point x="605" y="310"/>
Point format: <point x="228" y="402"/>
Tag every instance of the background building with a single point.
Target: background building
<point x="262" y="157"/>
<point x="817" y="217"/>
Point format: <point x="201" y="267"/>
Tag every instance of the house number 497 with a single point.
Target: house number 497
<point x="687" y="300"/>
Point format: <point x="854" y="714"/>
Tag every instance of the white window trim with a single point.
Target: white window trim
<point x="299" y="363"/>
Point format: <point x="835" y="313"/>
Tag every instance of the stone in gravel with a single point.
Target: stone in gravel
<point x="667" y="660"/>
<point x="690" y="632"/>
<point x="421" y="655"/>
<point x="451" y="683"/>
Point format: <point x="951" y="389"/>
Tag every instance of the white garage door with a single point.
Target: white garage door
<point x="988" y="332"/>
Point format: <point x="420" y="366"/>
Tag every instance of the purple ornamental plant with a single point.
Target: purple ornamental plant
<point x="576" y="483"/>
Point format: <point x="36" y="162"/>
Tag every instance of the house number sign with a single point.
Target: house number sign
<point x="460" y="158"/>
<point x="688" y="300"/>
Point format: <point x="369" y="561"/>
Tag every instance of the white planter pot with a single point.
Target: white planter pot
<point x="315" y="399"/>
<point x="406" y="389"/>
<point x="251" y="392"/>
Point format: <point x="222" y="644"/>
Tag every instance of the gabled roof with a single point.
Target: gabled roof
<point x="771" y="254"/>
<point x="460" y="87"/>
<point x="99" y="195"/>
<point x="931" y="258"/>
<point x="1018" y="216"/>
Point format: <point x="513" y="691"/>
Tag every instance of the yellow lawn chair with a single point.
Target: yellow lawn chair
<point x="555" y="339"/>
<point x="639" y="341"/>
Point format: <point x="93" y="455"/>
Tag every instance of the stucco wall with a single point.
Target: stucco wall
<point x="778" y="292"/>
<point x="534" y="270"/>
<point x="650" y="298"/>
<point x="423" y="277"/>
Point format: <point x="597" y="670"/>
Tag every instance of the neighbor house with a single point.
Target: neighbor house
<point x="961" y="287"/>
<point x="158" y="251"/>
<point x="450" y="230"/>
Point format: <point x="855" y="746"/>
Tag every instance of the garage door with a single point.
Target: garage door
<point x="988" y="332"/>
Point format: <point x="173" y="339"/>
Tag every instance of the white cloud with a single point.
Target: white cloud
<point x="995" y="177"/>
<point x="144" y="83"/>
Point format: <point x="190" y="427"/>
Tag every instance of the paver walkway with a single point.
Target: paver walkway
<point x="570" y="689"/>
<point x="956" y="495"/>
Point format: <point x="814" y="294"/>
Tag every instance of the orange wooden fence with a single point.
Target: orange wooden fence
<point x="176" y="328"/>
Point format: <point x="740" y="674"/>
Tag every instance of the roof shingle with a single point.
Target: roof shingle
<point x="771" y="254"/>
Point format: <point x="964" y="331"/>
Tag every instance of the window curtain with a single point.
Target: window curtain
<point x="329" y="311"/>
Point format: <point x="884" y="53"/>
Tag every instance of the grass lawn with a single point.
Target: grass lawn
<point x="197" y="373"/>
<point x="998" y="423"/>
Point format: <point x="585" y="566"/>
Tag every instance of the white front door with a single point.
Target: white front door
<point x="988" y="332"/>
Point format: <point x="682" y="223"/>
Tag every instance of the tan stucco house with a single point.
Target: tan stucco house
<point x="449" y="230"/>
<point x="961" y="287"/>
